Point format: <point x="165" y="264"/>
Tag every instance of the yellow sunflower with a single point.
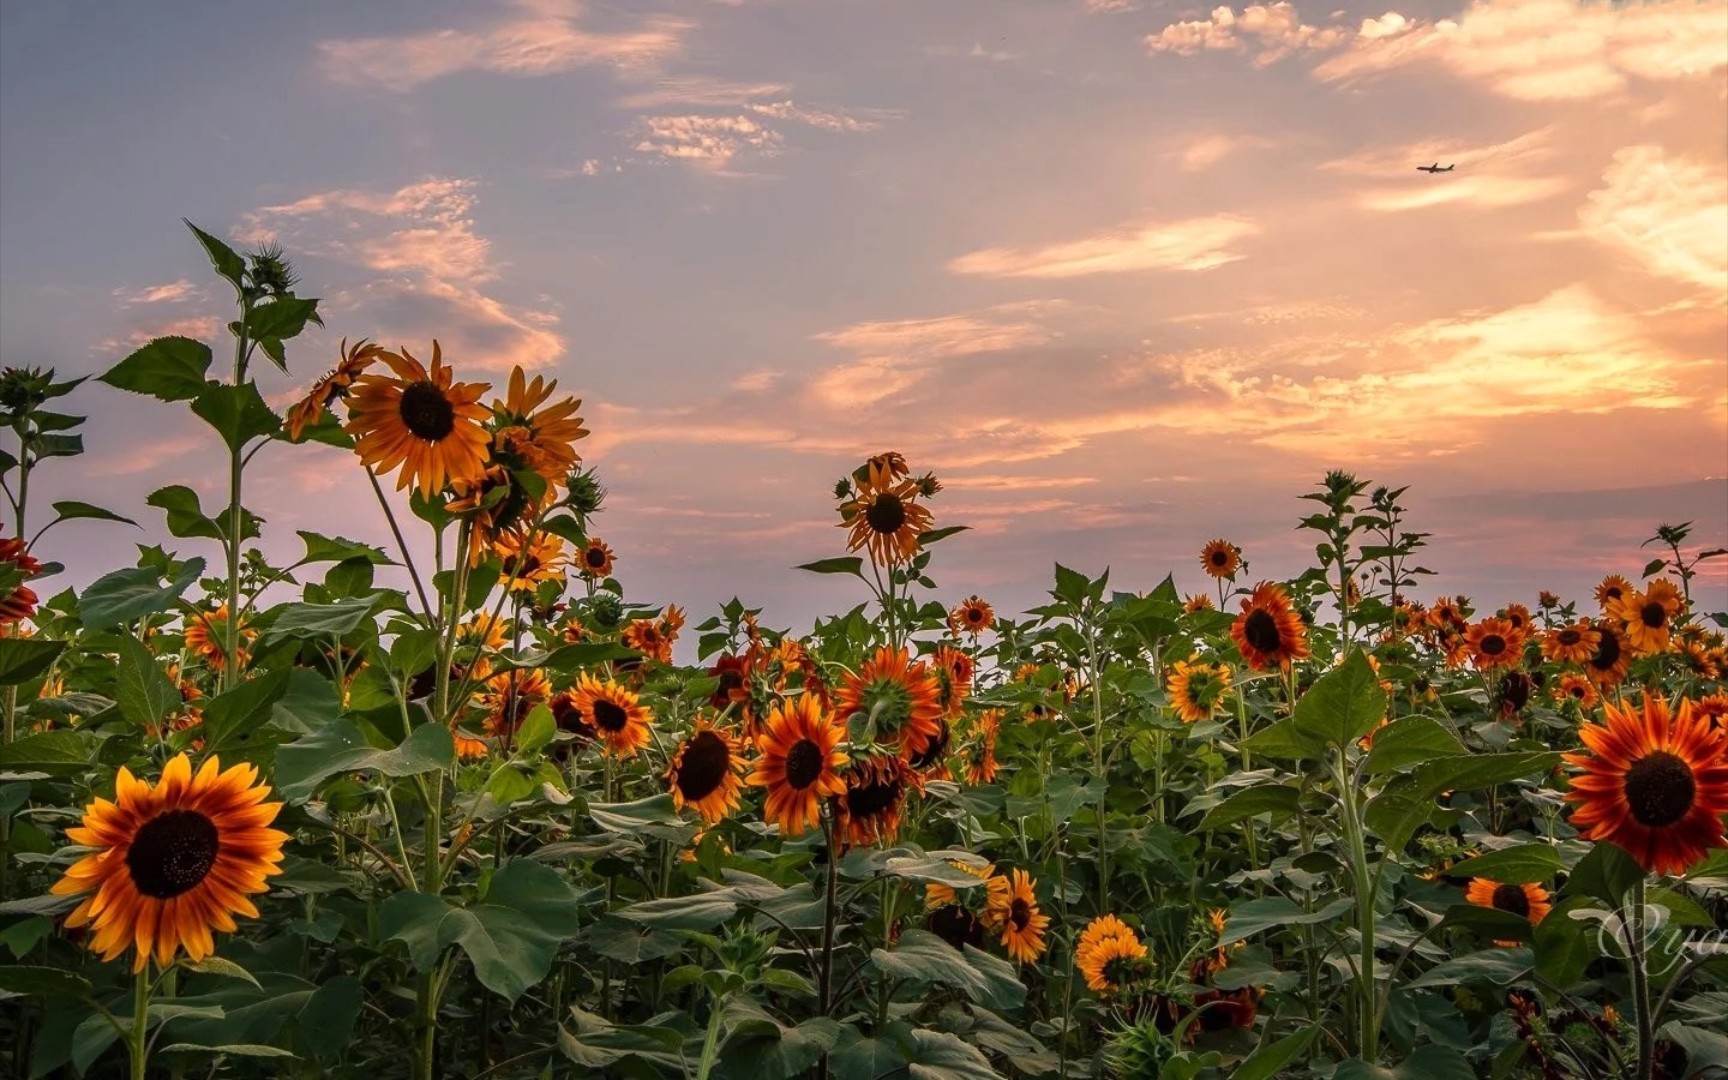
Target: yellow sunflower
<point x="1576" y="687"/>
<point x="1021" y="922"/>
<point x="1572" y="644"/>
<point x="1493" y="643"/>
<point x="1197" y="690"/>
<point x="885" y="517"/>
<point x="1198" y="602"/>
<point x="421" y="421"/>
<point x="207" y="636"/>
<point x="995" y="887"/>
<point x="1607" y="668"/>
<point x="1649" y="616"/>
<point x="704" y="773"/>
<point x="510" y="696"/>
<point x="527" y="565"/>
<point x="1612" y="589"/>
<point x="173" y="861"/>
<point x="1109" y="954"/>
<point x="334" y="384"/>
<point x="615" y="713"/>
<point x="542" y="436"/>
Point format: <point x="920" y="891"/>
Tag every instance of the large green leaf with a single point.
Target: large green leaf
<point x="758" y="1047"/>
<point x="1606" y="873"/>
<point x="1265" y="1062"/>
<point x="1344" y="704"/>
<point x="1251" y="917"/>
<point x="247" y="705"/>
<point x="337" y="549"/>
<point x="1408" y="800"/>
<point x="309" y="703"/>
<point x="167" y="368"/>
<point x="1278" y="800"/>
<point x="238" y="413"/>
<point x="125" y="595"/>
<point x="70" y="510"/>
<point x="1499" y="966"/>
<point x="186" y="516"/>
<point x="320" y="620"/>
<point x="23" y="659"/>
<point x="843" y="564"/>
<point x="1283" y="741"/>
<point x="46" y="982"/>
<point x="703" y="912"/>
<point x="60" y="751"/>
<point x="924" y="957"/>
<point x="1410" y="741"/>
<point x="143" y="690"/>
<point x="340" y="748"/>
<point x="1519" y="865"/>
<point x="937" y="1055"/>
<point x="222" y="257"/>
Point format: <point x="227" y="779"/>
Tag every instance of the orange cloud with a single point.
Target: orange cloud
<point x="1274" y="30"/>
<point x="1668" y="213"/>
<point x="1194" y="244"/>
<point x="171" y="293"/>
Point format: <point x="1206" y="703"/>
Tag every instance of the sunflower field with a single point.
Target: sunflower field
<point x="449" y="808"/>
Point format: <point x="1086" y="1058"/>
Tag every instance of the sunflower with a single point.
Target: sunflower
<point x="1613" y="587"/>
<point x="972" y="616"/>
<point x="467" y="746"/>
<point x="543" y="440"/>
<point x="1528" y="901"/>
<point x="174" y="861"/>
<point x="1648" y="616"/>
<point x="1576" y="687"/>
<point x="1518" y="615"/>
<point x="1493" y="643"/>
<point x="903" y="700"/>
<point x="1607" y="667"/>
<point x="1713" y="708"/>
<point x="937" y="895"/>
<point x="1654" y="784"/>
<point x="570" y="718"/>
<point x="800" y="763"/>
<point x="421" y="421"/>
<point x="981" y="766"/>
<point x="527" y="565"/>
<point x="207" y="635"/>
<point x="704" y="773"/>
<point x="334" y="384"/>
<point x="20" y="604"/>
<point x="889" y="462"/>
<point x="885" y="517"/>
<point x="1196" y="690"/>
<point x="616" y="714"/>
<point x="730" y="671"/>
<point x="868" y="812"/>
<point x="1221" y="559"/>
<point x="484" y="632"/>
<point x="1109" y="954"/>
<point x="1198" y="602"/>
<point x="1018" y="916"/>
<point x="510" y="696"/>
<point x="1574" y="644"/>
<point x="1269" y="633"/>
<point x="1448" y="611"/>
<point x="595" y="561"/>
<point x="954" y="670"/>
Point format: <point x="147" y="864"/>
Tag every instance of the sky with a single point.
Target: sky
<point x="1127" y="275"/>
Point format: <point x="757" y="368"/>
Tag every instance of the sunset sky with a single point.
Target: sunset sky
<point x="1126" y="274"/>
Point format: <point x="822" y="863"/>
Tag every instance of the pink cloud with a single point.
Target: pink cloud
<point x="1194" y="244"/>
<point x="1274" y="30"/>
<point x="171" y="293"/>
<point x="1667" y="212"/>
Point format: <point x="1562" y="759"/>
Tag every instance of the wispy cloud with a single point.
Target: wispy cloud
<point x="1205" y="151"/>
<point x="171" y="293"/>
<point x="1194" y="244"/>
<point x="1667" y="212"/>
<point x="198" y="327"/>
<point x="1270" y="31"/>
<point x="707" y="140"/>
<point x="1510" y="173"/>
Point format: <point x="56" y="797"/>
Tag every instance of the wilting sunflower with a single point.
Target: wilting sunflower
<point x="1269" y="633"/>
<point x="595" y="561"/>
<point x="1196" y="690"/>
<point x="902" y="699"/>
<point x="540" y="436"/>
<point x="1653" y="783"/>
<point x="954" y="669"/>
<point x="1576" y="687"/>
<point x="1529" y="901"/>
<point x="467" y="746"/>
<point x="1607" y="667"/>
<point x="1221" y="559"/>
<point x="20" y="603"/>
<point x="616" y="713"/>
<point x="174" y="861"/>
<point x="885" y="517"/>
<point x="1018" y="916"/>
<point x="526" y="566"/>
<point x="1109" y="954"/>
<point x="207" y="636"/>
<point x="570" y="718"/>
<point x="1649" y="616"/>
<point x="972" y="616"/>
<point x="333" y="385"/>
<point x="981" y="766"/>
<point x="1493" y="644"/>
<point x="419" y="420"/>
<point x="510" y="696"/>
<point x="1198" y="602"/>
<point x="704" y="773"/>
<point x="868" y="811"/>
<point x="1613" y="587"/>
<point x="1572" y="644"/>
<point x="800" y="762"/>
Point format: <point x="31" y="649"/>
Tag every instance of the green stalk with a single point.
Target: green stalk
<point x="1641" y="988"/>
<point x="711" y="1041"/>
<point x="1369" y="1037"/>
<point x="137" y="1049"/>
<point x="231" y="630"/>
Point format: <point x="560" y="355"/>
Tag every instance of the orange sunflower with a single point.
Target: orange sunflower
<point x="800" y="762"/>
<point x="20" y="603"/>
<point x="1713" y="708"/>
<point x="972" y="616"/>
<point x="1612" y="589"/>
<point x="595" y="561"/>
<point x="1018" y="916"/>
<point x="1649" y="615"/>
<point x="1577" y="688"/>
<point x="510" y="696"/>
<point x="1109" y="954"/>
<point x="902" y="699"/>
<point x="542" y="436"/>
<point x="1653" y="783"/>
<point x="207" y="636"/>
<point x="1527" y="901"/>
<point x="868" y="811"/>
<point x="420" y="420"/>
<point x="981" y="765"/>
<point x="1269" y="633"/>
<point x="1519" y="616"/>
<point x="1197" y="690"/>
<point x="1493" y="643"/>
<point x="704" y="773"/>
<point x="885" y="517"/>
<point x="334" y="384"/>
<point x="1607" y="667"/>
<point x="953" y="668"/>
<point x="1221" y="559"/>
<point x="1198" y="602"/>
<point x="174" y="861"/>
<point x="1574" y="644"/>
<point x="616" y="714"/>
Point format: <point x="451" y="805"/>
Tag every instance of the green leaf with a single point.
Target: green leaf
<point x="572" y="658"/>
<point x="1278" y="800"/>
<point x="1344" y="704"/>
<point x="60" y="751"/>
<point x="1407" y="801"/>
<point x="922" y="956"/>
<point x="928" y="538"/>
<point x="43" y="982"/>
<point x="326" y="1021"/>
<point x="72" y="511"/>
<point x="125" y="595"/>
<point x="1410" y="741"/>
<point x="1071" y="585"/>
<point x="23" y="659"/>
<point x="143" y="691"/>
<point x="238" y="413"/>
<point x="1608" y="872"/>
<point x="337" y="549"/>
<point x="844" y="564"/>
<point x="231" y="1050"/>
<point x="702" y="912"/>
<point x="863" y="1057"/>
<point x="309" y="703"/>
<point x="222" y="257"/>
<point x="340" y="748"/>
<point x="248" y="705"/>
<point x="186" y="517"/>
<point x="937" y="1055"/>
<point x="758" y="1047"/>
<point x="1264" y="1063"/>
<point x="1521" y="865"/>
<point x="320" y="620"/>
<point x="168" y="369"/>
<point x="1502" y="967"/>
<point x="1487" y="922"/>
<point x="281" y="319"/>
<point x="537" y="730"/>
<point x="1251" y="917"/>
<point x="228" y="969"/>
<point x="1283" y="741"/>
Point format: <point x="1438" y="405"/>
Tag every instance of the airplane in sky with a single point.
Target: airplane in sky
<point x="1434" y="168"/>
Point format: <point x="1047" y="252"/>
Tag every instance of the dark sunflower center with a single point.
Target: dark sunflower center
<point x="609" y="716"/>
<point x="886" y="514"/>
<point x="1512" y="898"/>
<point x="595" y="558"/>
<point x="1659" y="789"/>
<point x="1570" y="637"/>
<point x="1611" y="593"/>
<point x="1261" y="631"/>
<point x="172" y="853"/>
<point x="703" y="767"/>
<point x="730" y="680"/>
<point x="1220" y="559"/>
<point x="803" y="764"/>
<point x="1020" y="914"/>
<point x="874" y="796"/>
<point x="1653" y="615"/>
<point x="426" y="412"/>
<point x="1607" y="652"/>
<point x="1578" y="691"/>
<point x="1493" y="645"/>
<point x="974" y="614"/>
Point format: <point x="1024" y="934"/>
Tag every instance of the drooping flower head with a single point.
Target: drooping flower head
<point x="541" y="436"/>
<point x="868" y="811"/>
<point x="334" y="384"/>
<point x="1109" y="954"/>
<point x="20" y="603"/>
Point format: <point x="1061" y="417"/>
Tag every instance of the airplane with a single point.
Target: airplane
<point x="1434" y="168"/>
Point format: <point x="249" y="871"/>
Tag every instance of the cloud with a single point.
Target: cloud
<point x="1546" y="50"/>
<point x="1007" y="326"/>
<point x="1668" y="213"/>
<point x="707" y="140"/>
<point x="1111" y="7"/>
<point x="1207" y="150"/>
<point x="1193" y="244"/>
<point x="541" y="37"/>
<point x="1509" y="173"/>
<point x="171" y="293"/>
<point x="198" y="328"/>
<point x="1274" y="31"/>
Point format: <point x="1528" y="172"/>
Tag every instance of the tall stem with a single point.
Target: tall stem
<point x="1641" y="987"/>
<point x="711" y="1041"/>
<point x="137" y="1051"/>
<point x="236" y="468"/>
<point x="1367" y="990"/>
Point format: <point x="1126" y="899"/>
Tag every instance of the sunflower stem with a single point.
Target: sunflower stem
<point x="1641" y="987"/>
<point x="137" y="1050"/>
<point x="236" y="470"/>
<point x="825" y="974"/>
<point x="402" y="546"/>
